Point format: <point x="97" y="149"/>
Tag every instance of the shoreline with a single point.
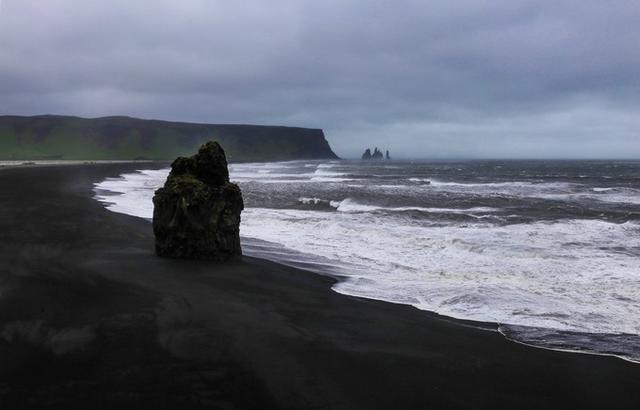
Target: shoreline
<point x="89" y="316"/>
<point x="487" y="327"/>
<point x="13" y="164"/>
<point x="570" y="351"/>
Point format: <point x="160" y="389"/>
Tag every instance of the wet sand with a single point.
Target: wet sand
<point x="91" y="318"/>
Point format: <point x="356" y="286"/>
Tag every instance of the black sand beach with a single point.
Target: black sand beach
<point x="91" y="318"/>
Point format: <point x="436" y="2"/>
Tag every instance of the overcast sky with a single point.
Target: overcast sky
<point x="450" y="78"/>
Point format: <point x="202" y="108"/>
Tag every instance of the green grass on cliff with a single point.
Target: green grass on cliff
<point x="124" y="138"/>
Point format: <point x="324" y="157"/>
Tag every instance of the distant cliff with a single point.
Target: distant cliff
<point x="123" y="138"/>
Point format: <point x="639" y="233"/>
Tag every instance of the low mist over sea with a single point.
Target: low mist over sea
<point x="548" y="249"/>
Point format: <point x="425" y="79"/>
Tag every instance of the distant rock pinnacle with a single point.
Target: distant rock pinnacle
<point x="377" y="154"/>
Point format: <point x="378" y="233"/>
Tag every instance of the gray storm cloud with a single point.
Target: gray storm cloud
<point x="467" y="78"/>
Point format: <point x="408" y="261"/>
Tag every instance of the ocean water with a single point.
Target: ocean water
<point x="550" y="250"/>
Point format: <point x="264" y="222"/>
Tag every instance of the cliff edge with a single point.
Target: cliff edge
<point x="124" y="138"/>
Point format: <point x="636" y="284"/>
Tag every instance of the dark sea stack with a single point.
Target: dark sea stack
<point x="377" y="154"/>
<point x="197" y="213"/>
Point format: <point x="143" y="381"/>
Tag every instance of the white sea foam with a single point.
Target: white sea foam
<point x="284" y="173"/>
<point x="315" y="201"/>
<point x="563" y="275"/>
<point x="350" y="206"/>
<point x="131" y="194"/>
<point x="527" y="189"/>
<point x="324" y="172"/>
<point x="420" y="180"/>
<point x="322" y="175"/>
<point x="498" y="185"/>
<point x="329" y="179"/>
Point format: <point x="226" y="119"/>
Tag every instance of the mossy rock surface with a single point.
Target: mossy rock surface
<point x="197" y="212"/>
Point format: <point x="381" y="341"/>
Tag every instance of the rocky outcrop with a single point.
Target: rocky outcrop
<point x="197" y="213"/>
<point x="377" y="154"/>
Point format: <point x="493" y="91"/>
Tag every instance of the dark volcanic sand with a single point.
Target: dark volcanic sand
<point x="90" y="318"/>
